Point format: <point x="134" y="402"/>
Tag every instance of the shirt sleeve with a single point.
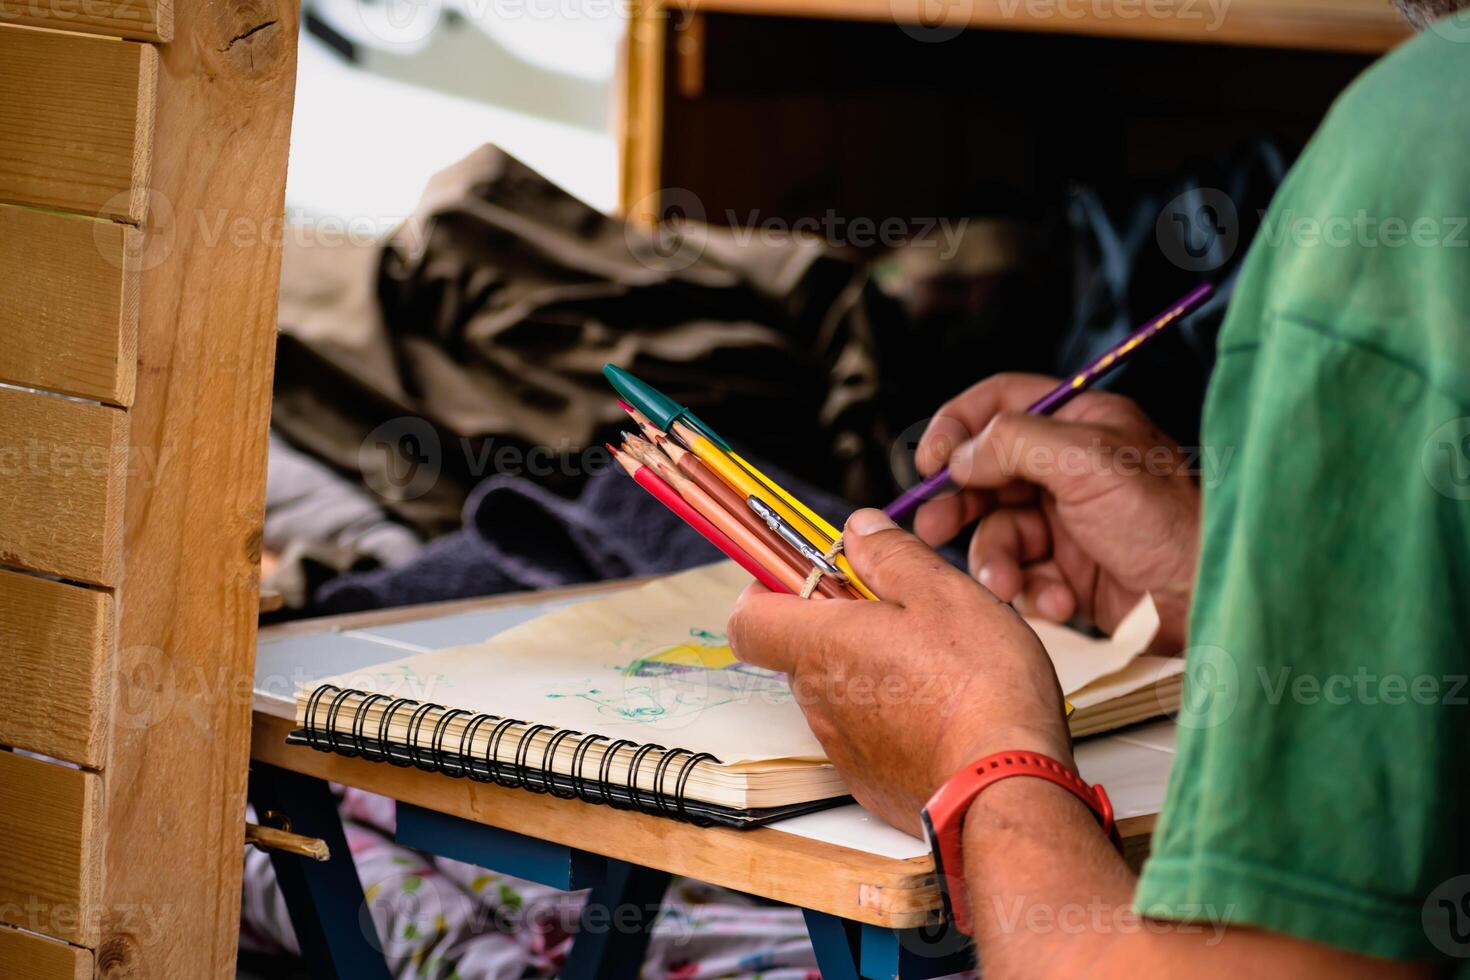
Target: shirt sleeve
<point x="1320" y="783"/>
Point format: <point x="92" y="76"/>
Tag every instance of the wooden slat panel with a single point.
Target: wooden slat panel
<point x="77" y="118"/>
<point x="145" y="20"/>
<point x="68" y="304"/>
<point x="49" y="869"/>
<point x="57" y="643"/>
<point x="206" y="341"/>
<point x="62" y="470"/>
<point x="26" y="957"/>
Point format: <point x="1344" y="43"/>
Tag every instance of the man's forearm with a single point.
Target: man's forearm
<point x="1048" y="892"/>
<point x="1051" y="898"/>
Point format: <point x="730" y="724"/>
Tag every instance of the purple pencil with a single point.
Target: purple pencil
<point x="910" y="499"/>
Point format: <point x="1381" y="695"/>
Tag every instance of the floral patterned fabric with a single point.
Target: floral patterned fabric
<point x="440" y="919"/>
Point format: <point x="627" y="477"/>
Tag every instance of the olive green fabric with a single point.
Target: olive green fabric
<point x="1320" y="783"/>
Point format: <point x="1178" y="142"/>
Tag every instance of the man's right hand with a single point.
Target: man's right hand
<point x="1081" y="512"/>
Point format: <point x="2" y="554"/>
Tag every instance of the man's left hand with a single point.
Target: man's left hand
<point x="903" y="692"/>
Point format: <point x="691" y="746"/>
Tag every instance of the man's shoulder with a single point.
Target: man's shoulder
<point x="1416" y="94"/>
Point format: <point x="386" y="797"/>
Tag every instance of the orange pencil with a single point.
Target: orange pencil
<point x="650" y="481"/>
<point x="749" y="542"/>
<point x="689" y="464"/>
<point x="732" y="503"/>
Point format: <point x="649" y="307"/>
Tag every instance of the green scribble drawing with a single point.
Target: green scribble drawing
<point x="683" y="680"/>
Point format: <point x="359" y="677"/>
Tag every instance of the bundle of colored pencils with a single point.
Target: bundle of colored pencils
<point x="732" y="504"/>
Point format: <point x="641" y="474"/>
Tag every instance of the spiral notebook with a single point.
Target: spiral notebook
<point x="635" y="700"/>
<point x="632" y="700"/>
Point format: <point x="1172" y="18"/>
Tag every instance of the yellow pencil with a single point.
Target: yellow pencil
<point x="750" y="486"/>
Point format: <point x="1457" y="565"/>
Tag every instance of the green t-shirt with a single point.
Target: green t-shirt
<point x="1320" y="786"/>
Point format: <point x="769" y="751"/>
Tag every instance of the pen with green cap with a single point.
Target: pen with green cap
<point x="663" y="412"/>
<point x="667" y="414"/>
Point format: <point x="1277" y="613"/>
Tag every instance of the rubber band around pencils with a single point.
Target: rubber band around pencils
<point x="814" y="577"/>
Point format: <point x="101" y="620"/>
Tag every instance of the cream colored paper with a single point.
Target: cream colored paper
<point x="1080" y="659"/>
<point x="651" y="664"/>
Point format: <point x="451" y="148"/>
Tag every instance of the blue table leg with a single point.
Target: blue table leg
<point x="914" y="954"/>
<point x="324" y="898"/>
<point x="836" y="943"/>
<point x="621" y="908"/>
<point x="617" y="922"/>
<point x="505" y="851"/>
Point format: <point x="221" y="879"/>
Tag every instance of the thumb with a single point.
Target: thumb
<point x="897" y="566"/>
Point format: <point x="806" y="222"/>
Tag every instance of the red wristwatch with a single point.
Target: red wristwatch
<point x="944" y="815"/>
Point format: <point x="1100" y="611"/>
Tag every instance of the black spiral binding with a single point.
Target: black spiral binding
<point x="425" y="746"/>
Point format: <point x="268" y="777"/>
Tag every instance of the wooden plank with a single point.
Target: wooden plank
<point x="68" y="304"/>
<point x="57" y="639"/>
<point x="77" y="114"/>
<point x="48" y="862"/>
<point x="27" y="957"/>
<point x="144" y="20"/>
<point x="175" y="788"/>
<point x="1327" y="25"/>
<point x="641" y="118"/>
<point x="62" y="466"/>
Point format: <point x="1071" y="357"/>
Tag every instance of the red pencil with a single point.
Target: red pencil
<point x="667" y="496"/>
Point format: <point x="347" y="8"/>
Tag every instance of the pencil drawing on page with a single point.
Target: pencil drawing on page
<point x="682" y="680"/>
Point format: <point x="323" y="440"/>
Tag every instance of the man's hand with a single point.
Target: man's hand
<point x="903" y="692"/>
<point x="1081" y="512"/>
